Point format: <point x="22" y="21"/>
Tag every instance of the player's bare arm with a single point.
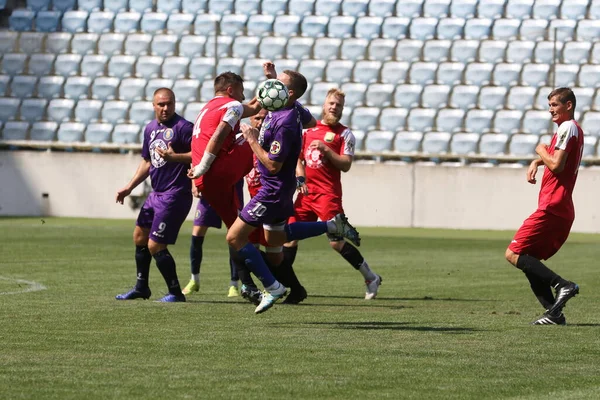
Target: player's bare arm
<point x="311" y="124"/>
<point x="532" y="170"/>
<point x="251" y="136"/>
<point x="555" y="162"/>
<point x="142" y="172"/>
<point x="169" y="155"/>
<point x="251" y="108"/>
<point x="212" y="149"/>
<point x="341" y="162"/>
<point x="269" y="70"/>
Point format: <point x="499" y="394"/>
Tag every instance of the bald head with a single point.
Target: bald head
<point x="163" y="103"/>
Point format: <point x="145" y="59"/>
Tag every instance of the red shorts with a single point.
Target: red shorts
<point x="541" y="235"/>
<point x="218" y="184"/>
<point x="311" y="207"/>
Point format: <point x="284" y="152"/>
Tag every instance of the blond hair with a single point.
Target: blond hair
<point x="336" y="92"/>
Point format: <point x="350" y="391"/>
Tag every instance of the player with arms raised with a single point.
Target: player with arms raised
<point x="545" y="231"/>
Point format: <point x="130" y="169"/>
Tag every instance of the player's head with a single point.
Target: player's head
<point x="295" y="82"/>
<point x="257" y="119"/>
<point x="231" y="85"/>
<point x="163" y="102"/>
<point x="333" y="106"/>
<point x="561" y="103"/>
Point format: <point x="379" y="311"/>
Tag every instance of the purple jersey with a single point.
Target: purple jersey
<point x="168" y="176"/>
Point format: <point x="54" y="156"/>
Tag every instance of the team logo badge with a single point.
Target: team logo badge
<point x="197" y="214"/>
<point x="168" y="135"/>
<point x="313" y="158"/>
<point x="275" y="147"/>
<point x="155" y="158"/>
<point x="329" y="136"/>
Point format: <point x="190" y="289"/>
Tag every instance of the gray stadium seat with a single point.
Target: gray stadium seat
<point x="492" y="51"/>
<point x="260" y="25"/>
<point x="115" y="111"/>
<point x="536" y="122"/>
<point x="15" y="130"/>
<point x="272" y="47"/>
<point x="286" y="25"/>
<point x="105" y="88"/>
<point x="591" y="123"/>
<point x="407" y="96"/>
<point x="395" y="28"/>
<point x="319" y="90"/>
<point x="296" y="7"/>
<point x="153" y="22"/>
<point x="21" y="20"/>
<point x="355" y="93"/>
<point x="379" y="141"/>
<point x="506" y="74"/>
<point x="422" y="73"/>
<point x="521" y="98"/>
<point x="126" y="134"/>
<point x="98" y="133"/>
<point x="207" y="90"/>
<point x="409" y="8"/>
<point x="245" y="47"/>
<point x="141" y="6"/>
<point x="313" y="70"/>
<point x="478" y="28"/>
<point x="564" y="28"/>
<point x="463" y="143"/>
<point x="70" y="132"/>
<point x="220" y="7"/>
<point x="327" y="48"/>
<point x="202" y="68"/>
<point x="88" y="111"/>
<point x="131" y="89"/>
<point x="490" y="8"/>
<point x="478" y="121"/>
<point x="409" y="50"/>
<point x="464" y="51"/>
<point x="9" y="108"/>
<point x="407" y="142"/>
<point x="328" y="7"/>
<point x="547" y="9"/>
<point x="565" y="75"/>
<point x="64" y="5"/>
<point x="121" y="66"/>
<point x="354" y="49"/>
<point x="229" y="64"/>
<point x="50" y="87"/>
<point x="435" y="96"/>
<point x="589" y="76"/>
<point x="84" y="43"/>
<point x="541" y="98"/>
<point x="14" y="63"/>
<point x="8" y="41"/>
<point x="127" y="22"/>
<point x="533" y="29"/>
<point x="74" y="21"/>
<point x="534" y="74"/>
<point x="436" y="142"/>
<point x="422" y="28"/>
<point x="576" y="52"/>
<point x="168" y="6"/>
<point x="60" y="109"/>
<point x="368" y="27"/>
<point x="449" y="120"/>
<point x="138" y="44"/>
<point x="450" y="28"/>
<point x="394" y="72"/>
<point x="194" y="6"/>
<point x="186" y="90"/>
<point x="4" y="84"/>
<point x="191" y="46"/>
<point x="31" y="42"/>
<point x="506" y="29"/>
<point x="93" y="65"/>
<point x="177" y="67"/>
<point x="463" y="8"/>
<point x="464" y="96"/>
<point x="436" y="50"/>
<point x="381" y="49"/>
<point x="47" y="21"/>
<point x="508" y="121"/>
<point x="436" y="8"/>
<point x="366" y="71"/>
<point x="100" y="21"/>
<point x="41" y="64"/>
<point x="233" y="24"/>
<point x="37" y="5"/>
<point x="381" y="8"/>
<point x="223" y="46"/>
<point x="364" y="118"/>
<point x="141" y="112"/>
<point x="585" y="98"/>
<point x="588" y="30"/>
<point x="478" y="73"/>
<point x="312" y="25"/>
<point x="282" y="64"/>
<point x="67" y="64"/>
<point x="77" y="87"/>
<point x="247" y="7"/>
<point x="519" y="9"/>
<point x="393" y="119"/>
<point x="589" y="146"/>
<point x="148" y="67"/>
<point x="116" y="6"/>
<point x="339" y="71"/>
<point x="355" y="7"/>
<point x="154" y="84"/>
<point x="111" y="43"/>
<point x="421" y="119"/>
<point x="163" y="45"/>
<point x="299" y="48"/>
<point x="577" y="9"/>
<point x="379" y="95"/>
<point x="192" y="110"/>
<point x="493" y="143"/>
<point x="180" y="24"/>
<point x="450" y="73"/>
<point x="341" y="26"/>
<point x="523" y="145"/>
<point x="23" y="86"/>
<point x="33" y="109"/>
<point x="520" y="51"/>
<point x="89" y="5"/>
<point x="43" y="131"/>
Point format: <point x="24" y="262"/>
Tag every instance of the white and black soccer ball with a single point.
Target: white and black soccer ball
<point x="272" y="94"/>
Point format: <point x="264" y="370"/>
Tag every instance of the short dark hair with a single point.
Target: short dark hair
<point x="298" y="82"/>
<point x="564" y="94"/>
<point x="226" y="79"/>
<point x="161" y="90"/>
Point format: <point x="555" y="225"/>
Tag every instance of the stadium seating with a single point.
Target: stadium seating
<point x="366" y="71"/>
<point x="492" y="97"/>
<point x="478" y="121"/>
<point x="364" y="118"/>
<point x="408" y="142"/>
<point x="23" y="86"/>
<point x="407" y="96"/>
<point x="436" y="142"/>
<point x="9" y="108"/>
<point x="105" y="88"/>
<point x="84" y="43"/>
<point x="141" y="112"/>
<point x="126" y="133"/>
<point x="93" y="65"/>
<point x="520" y="51"/>
<point x="191" y="46"/>
<point x="464" y="51"/>
<point x="523" y="145"/>
<point x="394" y="72"/>
<point x="421" y="119"/>
<point x="21" y="20"/>
<point x="88" y="111"/>
<point x="341" y="26"/>
<point x="449" y="120"/>
<point x="77" y="87"/>
<point x="115" y="111"/>
<point x="464" y="143"/>
<point x="70" y="132"/>
<point x="450" y="28"/>
<point x="43" y="131"/>
<point x="15" y="130"/>
<point x="33" y="110"/>
<point x="60" y="109"/>
<point x="493" y="143"/>
<point x="435" y="96"/>
<point x="379" y="141"/>
<point x="98" y="133"/>
<point x="392" y="119"/>
<point x="67" y="64"/>
<point x="14" y="63"/>
<point x="395" y="28"/>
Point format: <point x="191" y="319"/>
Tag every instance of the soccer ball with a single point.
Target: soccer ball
<point x="272" y="94"/>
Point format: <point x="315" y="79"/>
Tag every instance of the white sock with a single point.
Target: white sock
<point x="196" y="278"/>
<point x="366" y="271"/>
<point x="275" y="286"/>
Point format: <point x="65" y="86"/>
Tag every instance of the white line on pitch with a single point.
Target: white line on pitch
<point x="32" y="286"/>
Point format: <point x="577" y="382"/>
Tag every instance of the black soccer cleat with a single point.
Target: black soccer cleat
<point x="550" y="319"/>
<point x="296" y="296"/>
<point x="563" y="294"/>
<point x="252" y="294"/>
<point x="135" y="294"/>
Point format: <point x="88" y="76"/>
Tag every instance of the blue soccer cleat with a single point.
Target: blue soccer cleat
<point x="269" y="298"/>
<point x="135" y="293"/>
<point x="172" y="298"/>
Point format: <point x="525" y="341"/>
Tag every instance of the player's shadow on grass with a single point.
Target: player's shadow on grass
<point x="592" y="325"/>
<point x="391" y="326"/>
<point x="306" y="304"/>
<point x="379" y="298"/>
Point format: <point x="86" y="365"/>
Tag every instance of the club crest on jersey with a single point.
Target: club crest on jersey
<point x="329" y="136"/>
<point x="168" y="135"/>
<point x="275" y="147"/>
<point x="155" y="158"/>
<point x="313" y="158"/>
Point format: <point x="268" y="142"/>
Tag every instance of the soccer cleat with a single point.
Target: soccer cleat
<point x="269" y="298"/>
<point x="373" y="287"/>
<point x="233" y="292"/>
<point x="346" y="230"/>
<point x="172" y="298"/>
<point x="296" y="296"/>
<point x="563" y="294"/>
<point x="252" y="294"/>
<point x="192" y="286"/>
<point x="135" y="293"/>
<point x="550" y="319"/>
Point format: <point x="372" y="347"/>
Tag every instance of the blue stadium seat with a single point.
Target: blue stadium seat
<point x="23" y="86"/>
<point x="354" y="49"/>
<point x="507" y="121"/>
<point x="436" y="8"/>
<point x="98" y="133"/>
<point x="15" y="130"/>
<point x="407" y="96"/>
<point x="359" y="137"/>
<point x="58" y="42"/>
<point x="478" y="73"/>
<point x="138" y="44"/>
<point x="449" y="73"/>
<point x="67" y="64"/>
<point x="313" y="70"/>
<point x="436" y="142"/>
<point x="100" y="21"/>
<point x="77" y="87"/>
<point x="93" y="65"/>
<point x="356" y="8"/>
<point x="141" y="6"/>
<point x="9" y="108"/>
<point x="588" y="77"/>
<point x="220" y="7"/>
<point x="478" y="121"/>
<point x="368" y="27"/>
<point x="392" y="119"/>
<point x="40" y="64"/>
<point x="194" y="6"/>
<point x="247" y="7"/>
<point x="47" y="21"/>
<point x="407" y="142"/>
<point x="43" y="131"/>
<point x="463" y="8"/>
<point x="126" y="134"/>
<point x="127" y="22"/>
<point x="395" y="28"/>
<point x="588" y="29"/>
<point x="464" y="96"/>
<point x="381" y="8"/>
<point x="435" y="96"/>
<point x="327" y="48"/>
<point x="60" y="109"/>
<point x="364" y="118"/>
<point x="355" y="93"/>
<point x="89" y="5"/>
<point x="50" y="87"/>
<point x="312" y="25"/>
<point x="506" y="74"/>
<point x="115" y="111"/>
<point x="230" y="64"/>
<point x="38" y="5"/>
<point x="121" y="66"/>
<point x="585" y="98"/>
<point x="464" y="51"/>
<point x="163" y="45"/>
<point x="105" y="88"/>
<point x="341" y="26"/>
<point x="64" y="5"/>
<point x="423" y="28"/>
<point x="577" y="9"/>
<point x="591" y="123"/>
<point x="520" y="51"/>
<point x="477" y="28"/>
<point x="111" y="44"/>
<point x="8" y="41"/>
<point x="207" y="90"/>
<point x="223" y="46"/>
<point x="493" y="143"/>
<point x="366" y="71"/>
<point x="534" y="74"/>
<point x="141" y="112"/>
<point x="233" y="24"/>
<point x="492" y="97"/>
<point x="492" y="51"/>
<point x="206" y="23"/>
<point x="464" y="143"/>
<point x="69" y="132"/>
<point x="422" y="73"/>
<point x="296" y="7"/>
<point x="319" y="90"/>
<point x="589" y="146"/>
<point x="409" y="8"/>
<point x="381" y="49"/>
<point x="154" y="84"/>
<point x="544" y="52"/>
<point x="328" y="7"/>
<point x="564" y="28"/>
<point x="436" y="50"/>
<point x="576" y="52"/>
<point x="168" y="6"/>
<point x="421" y="119"/>
<point x="490" y="8"/>
<point x="536" y="122"/>
<point x="298" y="48"/>
<point x="519" y="9"/>
<point x="449" y="120"/>
<point x="180" y="24"/>
<point x="379" y="141"/>
<point x="394" y="72"/>
<point x="31" y="42"/>
<point x="21" y="20"/>
<point x="409" y="50"/>
<point x="541" y="98"/>
<point x="33" y="109"/>
<point x="186" y="90"/>
<point x="88" y="111"/>
<point x="339" y="71"/>
<point x="566" y="75"/>
<point x="74" y="21"/>
<point x="260" y="25"/>
<point x="450" y="28"/>
<point x="523" y="145"/>
<point x="506" y="29"/>
<point x="192" y="110"/>
<point x="84" y="43"/>
<point x="153" y="22"/>
<point x="148" y="67"/>
<point x="522" y="97"/>
<point x="204" y="68"/>
<point x="533" y="29"/>
<point x="191" y="46"/>
<point x="116" y="6"/>
<point x="14" y="63"/>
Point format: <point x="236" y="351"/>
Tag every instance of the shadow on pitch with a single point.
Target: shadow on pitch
<point x="389" y="326"/>
<point x="592" y="325"/>
<point x="307" y="304"/>
<point x="424" y="298"/>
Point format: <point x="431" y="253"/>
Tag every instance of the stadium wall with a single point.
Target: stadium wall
<point x="375" y="194"/>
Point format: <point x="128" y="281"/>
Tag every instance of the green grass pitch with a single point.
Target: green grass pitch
<point x="451" y="321"/>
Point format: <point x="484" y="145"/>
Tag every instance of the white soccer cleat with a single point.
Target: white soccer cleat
<point x="373" y="287"/>
<point x="269" y="298"/>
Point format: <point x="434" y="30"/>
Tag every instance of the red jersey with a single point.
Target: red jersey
<point x="321" y="176"/>
<point x="253" y="179"/>
<point x="218" y="109"/>
<point x="557" y="189"/>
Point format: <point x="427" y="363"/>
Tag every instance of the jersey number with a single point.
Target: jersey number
<point x="197" y="131"/>
<point x="258" y="210"/>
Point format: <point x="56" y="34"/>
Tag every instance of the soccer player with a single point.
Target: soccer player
<point x="277" y="148"/>
<point x="545" y="231"/>
<point x="327" y="150"/>
<point x="165" y="156"/>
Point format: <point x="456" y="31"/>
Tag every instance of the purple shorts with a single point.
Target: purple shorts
<point x="206" y="215"/>
<point x="263" y="210"/>
<point x="164" y="213"/>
